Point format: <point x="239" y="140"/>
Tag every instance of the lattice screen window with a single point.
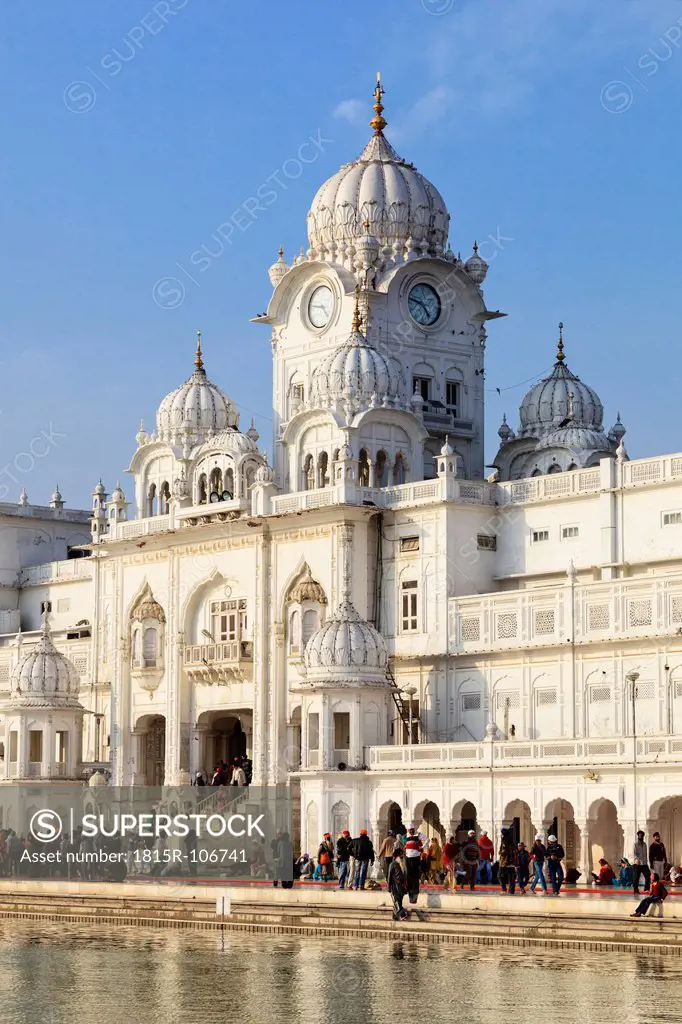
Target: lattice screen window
<point x="506" y="625"/>
<point x="80" y="663"/>
<point x="598" y="616"/>
<point x="600" y="694"/>
<point x="639" y="613"/>
<point x="486" y="543"/>
<point x="678" y="686"/>
<point x="676" y="609"/>
<point x="545" y="697"/>
<point x="512" y="696"/>
<point x="471" y="702"/>
<point x="646" y="689"/>
<point x="470" y="630"/>
<point x="544" y="621"/>
<point x="4" y="674"/>
<point x="672" y="518"/>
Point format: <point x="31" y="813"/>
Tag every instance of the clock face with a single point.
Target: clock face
<point x="320" y="306"/>
<point x="424" y="304"/>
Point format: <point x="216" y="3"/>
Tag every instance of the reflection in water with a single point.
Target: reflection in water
<point x="62" y="975"/>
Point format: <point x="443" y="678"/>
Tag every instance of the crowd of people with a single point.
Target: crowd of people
<point x="408" y="859"/>
<point x="237" y="773"/>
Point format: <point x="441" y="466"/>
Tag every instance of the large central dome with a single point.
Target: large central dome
<point x="380" y="193"/>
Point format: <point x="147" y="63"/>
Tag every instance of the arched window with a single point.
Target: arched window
<point x="536" y="472"/>
<point x="151" y="500"/>
<point x="308" y="473"/>
<point x="150" y="647"/>
<point x="554" y="468"/>
<point x="311" y="621"/>
<point x="229" y="480"/>
<point x="136" y="647"/>
<point x="572" y="467"/>
<point x="295" y="633"/>
<point x="216" y="480"/>
<point x="164" y="498"/>
<point x="399" y="469"/>
<point x="249" y="478"/>
<point x="322" y="469"/>
<point x="363" y="469"/>
<point x="202" y="495"/>
<point x="381" y="470"/>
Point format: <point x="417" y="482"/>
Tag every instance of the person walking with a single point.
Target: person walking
<point x="238" y="777"/>
<point x="538" y="856"/>
<point x="469" y="858"/>
<point x="450" y="855"/>
<point x="386" y="851"/>
<point x="657" y="855"/>
<point x="522" y="866"/>
<point x="507" y="861"/>
<point x="413" y="852"/>
<point x="397" y="886"/>
<point x="487" y="852"/>
<point x="640" y="863"/>
<point x="325" y="857"/>
<point x="363" y="851"/>
<point x="555" y="855"/>
<point x="344" y="847"/>
<point x="658" y="894"/>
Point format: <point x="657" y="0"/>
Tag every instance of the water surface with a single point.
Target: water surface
<point x="52" y="974"/>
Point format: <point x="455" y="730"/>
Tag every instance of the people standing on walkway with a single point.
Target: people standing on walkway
<point x="507" y="861"/>
<point x="658" y="894"/>
<point x="344" y="848"/>
<point x="606" y="873"/>
<point x="386" y="851"/>
<point x="325" y="857"/>
<point x="397" y="887"/>
<point x="238" y="776"/>
<point x="413" y="852"/>
<point x="363" y="851"/>
<point x="522" y="866"/>
<point x="555" y="855"/>
<point x="539" y="856"/>
<point x="450" y="857"/>
<point x="435" y="859"/>
<point x="469" y="857"/>
<point x="286" y="862"/>
<point x="640" y="863"/>
<point x="657" y="855"/>
<point x="487" y="853"/>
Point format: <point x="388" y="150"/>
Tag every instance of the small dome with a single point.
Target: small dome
<point x="232" y="442"/>
<point x="44" y="677"/>
<point x="505" y="432"/>
<point x="346" y="649"/>
<point x="384" y="191"/>
<point x="23" y="497"/>
<point x="447" y="448"/>
<point x="307" y="589"/>
<point x="265" y="474"/>
<point x="278" y="269"/>
<point x="560" y="400"/>
<point x="141" y="436"/>
<point x="148" y="608"/>
<point x="617" y="431"/>
<point x="117" y="493"/>
<point x="195" y="410"/>
<point x="253" y="433"/>
<point x="356" y="372"/>
<point x="56" y="501"/>
<point x="476" y="267"/>
<point x="100" y="489"/>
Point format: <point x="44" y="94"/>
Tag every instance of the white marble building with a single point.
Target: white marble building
<point x="383" y="628"/>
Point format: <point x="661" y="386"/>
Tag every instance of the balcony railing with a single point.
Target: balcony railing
<point x="580" y="753"/>
<point x="219" y="662"/>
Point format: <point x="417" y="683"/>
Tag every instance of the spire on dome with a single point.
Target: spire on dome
<point x="560" y="348"/>
<point x="357" y="318"/>
<point x="378" y="123"/>
<point x="199" y="362"/>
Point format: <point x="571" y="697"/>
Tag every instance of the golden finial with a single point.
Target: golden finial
<point x="357" y="319"/>
<point x="560" y="350"/>
<point x="378" y="123"/>
<point x="199" y="362"/>
<point x="280" y="252"/>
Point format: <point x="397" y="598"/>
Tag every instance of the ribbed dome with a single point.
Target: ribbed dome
<point x="231" y="441"/>
<point x="195" y="410"/>
<point x="44" y="677"/>
<point x="307" y="589"/>
<point x="560" y="400"/>
<point x="356" y="372"/>
<point x="382" y="189"/>
<point x="346" y="649"/>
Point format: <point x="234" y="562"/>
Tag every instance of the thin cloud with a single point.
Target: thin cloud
<point x="353" y="111"/>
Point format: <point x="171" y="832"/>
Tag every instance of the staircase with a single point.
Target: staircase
<point x="403" y="711"/>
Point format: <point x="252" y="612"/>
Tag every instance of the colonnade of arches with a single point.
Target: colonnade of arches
<point x="373" y="470"/>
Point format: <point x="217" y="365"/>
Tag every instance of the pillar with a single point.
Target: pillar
<point x="584" y="851"/>
<point x="138" y="739"/>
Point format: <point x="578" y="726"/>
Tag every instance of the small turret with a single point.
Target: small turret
<point x="98" y="523"/>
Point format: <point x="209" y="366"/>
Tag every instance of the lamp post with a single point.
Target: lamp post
<point x="632" y="678"/>
<point x="410" y="691"/>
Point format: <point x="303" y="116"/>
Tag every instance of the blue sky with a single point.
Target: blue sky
<point x="551" y="126"/>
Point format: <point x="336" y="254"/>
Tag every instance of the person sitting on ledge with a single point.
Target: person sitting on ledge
<point x="625" y="876"/>
<point x="606" y="873"/>
<point x="658" y="894"/>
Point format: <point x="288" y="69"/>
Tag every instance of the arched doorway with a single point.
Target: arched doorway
<point x="340" y="817"/>
<point x="517" y="816"/>
<point x="464" y="815"/>
<point x="666" y="817"/>
<point x="391" y="819"/>
<point x="225" y="735"/>
<point x="151" y="750"/>
<point x="606" y="835"/>
<point x="560" y="821"/>
<point x="427" y="820"/>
